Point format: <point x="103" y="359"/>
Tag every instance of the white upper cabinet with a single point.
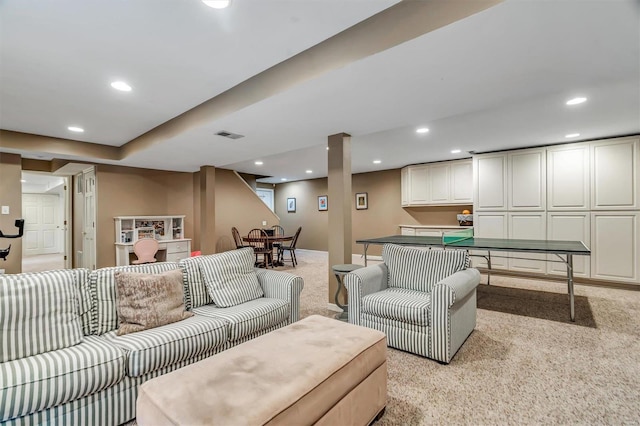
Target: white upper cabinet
<point x="404" y="186"/>
<point x="527" y="180"/>
<point x="615" y="180"/>
<point x="568" y="177"/>
<point x="462" y="182"/>
<point x="490" y="182"/>
<point x="418" y="185"/>
<point x="444" y="183"/>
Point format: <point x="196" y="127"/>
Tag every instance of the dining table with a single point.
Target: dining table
<point x="269" y="240"/>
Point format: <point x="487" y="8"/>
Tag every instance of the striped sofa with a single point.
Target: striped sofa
<point x="423" y="300"/>
<point x="91" y="375"/>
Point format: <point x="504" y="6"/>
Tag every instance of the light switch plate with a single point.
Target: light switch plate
<point x="5" y="209"/>
<point x="264" y="223"/>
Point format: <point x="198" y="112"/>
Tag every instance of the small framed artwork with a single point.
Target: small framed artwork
<point x="362" y="201"/>
<point x="323" y="203"/>
<point x="291" y="205"/>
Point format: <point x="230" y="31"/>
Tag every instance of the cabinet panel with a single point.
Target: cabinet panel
<point x="439" y="184"/>
<point x="569" y="227"/>
<point x="404" y="186"/>
<point x="490" y="225"/>
<point x="527" y="180"/>
<point x="616" y="246"/>
<point x="527" y="226"/>
<point x="568" y="177"/>
<point x="407" y="231"/>
<point x="614" y="175"/>
<point x="462" y="182"/>
<point x="428" y="232"/>
<point x="490" y="178"/>
<point x="418" y="185"/>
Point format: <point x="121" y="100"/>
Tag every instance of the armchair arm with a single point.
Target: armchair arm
<point x="282" y="285"/>
<point x="361" y="282"/>
<point x="453" y="313"/>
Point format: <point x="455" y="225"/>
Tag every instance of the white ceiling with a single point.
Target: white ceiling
<point x="495" y="80"/>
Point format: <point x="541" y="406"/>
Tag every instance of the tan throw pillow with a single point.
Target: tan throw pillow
<point x="146" y="301"/>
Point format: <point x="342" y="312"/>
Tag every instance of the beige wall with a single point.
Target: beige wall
<point x="11" y="195"/>
<point x="382" y="218"/>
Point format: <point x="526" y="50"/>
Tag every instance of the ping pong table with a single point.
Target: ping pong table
<point x="564" y="250"/>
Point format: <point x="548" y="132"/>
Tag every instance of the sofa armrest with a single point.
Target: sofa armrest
<point x="282" y="285"/>
<point x="453" y="313"/>
<point x="457" y="286"/>
<point x="361" y="282"/>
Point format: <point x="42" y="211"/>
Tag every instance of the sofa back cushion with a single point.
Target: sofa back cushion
<point x="196" y="293"/>
<point x="418" y="269"/>
<point x="38" y="313"/>
<point x="103" y="290"/>
<point x="230" y="277"/>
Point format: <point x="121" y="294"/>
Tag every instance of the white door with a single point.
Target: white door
<point x="490" y="182"/>
<point x="615" y="247"/>
<point x="42" y="230"/>
<point x="266" y="195"/>
<point x="568" y="177"/>
<point x="569" y="226"/>
<point x="490" y="225"/>
<point x="89" y="217"/>
<point x="527" y="180"/>
<point x="527" y="226"/>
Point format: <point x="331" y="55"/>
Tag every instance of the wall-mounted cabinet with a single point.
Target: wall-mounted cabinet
<point x="490" y="182"/>
<point x="446" y="183"/>
<point x="569" y="226"/>
<point x="615" y="251"/>
<point x="527" y="226"/>
<point x="615" y="178"/>
<point x="568" y="177"/>
<point x="168" y="230"/>
<point x="490" y="225"/>
<point x="526" y="180"/>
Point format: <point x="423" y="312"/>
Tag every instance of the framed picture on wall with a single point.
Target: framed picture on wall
<point x="362" y="201"/>
<point x="323" y="203"/>
<point x="291" y="205"/>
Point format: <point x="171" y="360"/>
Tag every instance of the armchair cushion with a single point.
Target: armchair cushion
<point x="418" y="269"/>
<point x="407" y="306"/>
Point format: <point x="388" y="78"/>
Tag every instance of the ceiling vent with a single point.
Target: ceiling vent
<point x="229" y="135"/>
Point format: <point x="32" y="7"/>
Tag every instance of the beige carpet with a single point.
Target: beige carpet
<point x="526" y="362"/>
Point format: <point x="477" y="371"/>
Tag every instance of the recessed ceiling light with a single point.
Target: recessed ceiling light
<point x="258" y="163"/>
<point x="455" y="151"/>
<point x="309" y="171"/>
<point x="377" y="161"/>
<point x="572" y="135"/>
<point x="327" y="148"/>
<point x="283" y="179"/>
<point x="217" y="4"/>
<point x="76" y="129"/>
<point x="121" y="85"/>
<point x="422" y="130"/>
<point x="23" y="180"/>
<point x="576" y="101"/>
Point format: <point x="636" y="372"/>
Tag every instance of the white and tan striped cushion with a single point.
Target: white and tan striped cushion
<point x="400" y="304"/>
<point x="152" y="349"/>
<point x="250" y="317"/>
<point x="230" y="277"/>
<point x="195" y="290"/>
<point x="418" y="269"/>
<point x="38" y="314"/>
<point x="102" y="283"/>
<point x="41" y="381"/>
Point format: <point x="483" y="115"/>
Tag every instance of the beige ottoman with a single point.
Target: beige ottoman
<point x="317" y="370"/>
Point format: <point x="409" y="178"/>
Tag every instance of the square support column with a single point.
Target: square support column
<point x="207" y="209"/>
<point x="339" y="228"/>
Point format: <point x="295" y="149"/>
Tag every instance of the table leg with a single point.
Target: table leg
<point x="488" y="267"/>
<point x="570" y="286"/>
<point x="366" y="247"/>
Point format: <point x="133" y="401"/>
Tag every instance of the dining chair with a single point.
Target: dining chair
<point x="278" y="231"/>
<point x="260" y="243"/>
<point x="236" y="237"/>
<point x="145" y="249"/>
<point x="291" y="248"/>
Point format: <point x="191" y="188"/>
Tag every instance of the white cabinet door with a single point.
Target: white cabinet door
<point x="527" y="180"/>
<point x="615" y="249"/>
<point x="490" y="182"/>
<point x="569" y="226"/>
<point x="615" y="179"/>
<point x="568" y="177"/>
<point x="527" y="226"/>
<point x="429" y="232"/>
<point x="407" y="231"/>
<point x="404" y="186"/>
<point x="418" y="184"/>
<point x="462" y="182"/>
<point x="439" y="183"/>
<point x="490" y="225"/>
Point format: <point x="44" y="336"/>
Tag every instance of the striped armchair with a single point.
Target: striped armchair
<point x="423" y="300"/>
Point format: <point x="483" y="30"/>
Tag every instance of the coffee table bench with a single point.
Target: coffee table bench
<point x="315" y="371"/>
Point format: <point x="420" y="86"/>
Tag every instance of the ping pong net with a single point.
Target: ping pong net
<point x="456" y="236"/>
